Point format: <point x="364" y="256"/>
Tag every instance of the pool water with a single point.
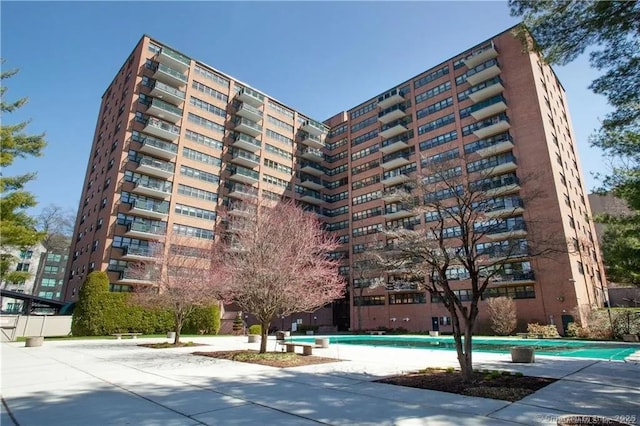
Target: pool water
<point x="563" y="348"/>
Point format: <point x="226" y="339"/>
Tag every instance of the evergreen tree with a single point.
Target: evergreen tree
<point x="17" y="228"/>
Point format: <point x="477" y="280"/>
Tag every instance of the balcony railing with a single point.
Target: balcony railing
<point x="246" y="142"/>
<point x="164" y="110"/>
<point x="251" y="97"/>
<point x="162" y="129"/>
<point x="397" y="159"/>
<point x="157" y="147"/>
<point x="138" y="251"/>
<point x="154" y="208"/>
<point x="244" y="157"/>
<point x="314" y="127"/>
<point x="173" y="59"/>
<point x="482" y="54"/>
<point x="489" y="107"/>
<point x="239" y="190"/>
<point x="153" y="187"/>
<point x="170" y="76"/>
<point x="247" y="126"/>
<point x="389" y="98"/>
<point x="515" y="276"/>
<point x="311" y="140"/>
<point x="394" y="112"/>
<point x="156" y="167"/>
<point x="393" y="128"/>
<point x="167" y="93"/>
<point x="148" y="228"/>
<point x="483" y="72"/>
<point x="243" y="174"/>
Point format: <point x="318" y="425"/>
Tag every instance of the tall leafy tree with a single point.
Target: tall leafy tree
<point x="563" y="30"/>
<point x="17" y="228"/>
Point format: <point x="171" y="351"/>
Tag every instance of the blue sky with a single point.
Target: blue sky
<point x="317" y="57"/>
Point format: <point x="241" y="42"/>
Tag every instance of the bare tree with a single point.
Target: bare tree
<point x="57" y="225"/>
<point x="503" y="315"/>
<point x="186" y="272"/>
<point x="474" y="233"/>
<point x="277" y="263"/>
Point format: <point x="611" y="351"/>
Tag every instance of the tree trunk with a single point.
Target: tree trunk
<point x="467" y="364"/>
<point x="177" y="325"/>
<point x="359" y="309"/>
<point x="263" y="336"/>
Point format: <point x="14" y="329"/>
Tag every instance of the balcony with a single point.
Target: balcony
<point x="247" y="111"/>
<point x="517" y="277"/>
<point x="504" y="232"/>
<point x="173" y="59"/>
<point x="138" y="253"/>
<point x="314" y="127"/>
<point x="497" y="148"/>
<point x="394" y="177"/>
<point x="238" y="208"/>
<point x="312" y="182"/>
<point x="394" y="112"/>
<point x="505" y="165"/>
<point x="153" y="167"/>
<point x="500" y="185"/>
<point x="398" y="211"/>
<point x="492" y="126"/>
<point x="153" y="231"/>
<point x="170" y="76"/>
<point x="246" y="142"/>
<point x="244" y="175"/>
<point x="311" y="197"/>
<point x="312" y="154"/>
<point x="486" y="89"/>
<point x="247" y="126"/>
<point x="390" y="98"/>
<point x="167" y="93"/>
<point x="312" y="141"/>
<point x="150" y="208"/>
<point x="392" y="129"/>
<point x="158" y="148"/>
<point x="164" y="110"/>
<point x="311" y="168"/>
<point x="397" y="159"/>
<point x="395" y="144"/>
<point x="162" y="129"/>
<point x="489" y="107"/>
<point x="505" y="207"/>
<point x="245" y="158"/>
<point x="135" y="277"/>
<point x="251" y="97"/>
<point x="483" y="72"/>
<point x="153" y="188"/>
<point x="482" y="55"/>
<point x="242" y="192"/>
<point x="391" y="195"/>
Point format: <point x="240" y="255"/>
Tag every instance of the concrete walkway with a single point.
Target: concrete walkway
<point x="117" y="382"/>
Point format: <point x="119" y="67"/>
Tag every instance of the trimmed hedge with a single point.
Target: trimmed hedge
<point x="100" y="312"/>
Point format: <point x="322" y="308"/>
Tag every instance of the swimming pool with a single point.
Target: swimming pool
<point x="564" y="348"/>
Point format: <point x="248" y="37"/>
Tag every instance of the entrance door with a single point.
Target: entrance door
<point x="435" y="324"/>
<point x="566" y="320"/>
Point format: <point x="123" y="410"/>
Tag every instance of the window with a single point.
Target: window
<point x="444" y="320"/>
<point x="199" y="174"/>
<point x="363" y="110"/>
<point x="364" y="123"/>
<point x="439" y="140"/>
<point x="431" y="76"/>
<point x="195" y="212"/>
<point x="368" y="300"/>
<point x="433" y="92"/>
<point x="200" y="121"/>
<point x="407" y="298"/>
<point x="22" y="267"/>
<point x="202" y="139"/>
<point x="192" y="154"/>
<point x="279" y="123"/>
<point x="366" y="197"/>
<point x="278" y="151"/>
<point x="364" y="137"/>
<point x="442" y="121"/>
<point x="191" y="231"/>
<point x="278" y="137"/>
<point x="376" y="211"/>
<point x="434" y="108"/>
<point x="197" y="193"/>
<point x="209" y="91"/>
<point x="211" y="75"/>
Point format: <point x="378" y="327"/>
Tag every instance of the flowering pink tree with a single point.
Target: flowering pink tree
<point x="186" y="273"/>
<point x="277" y="264"/>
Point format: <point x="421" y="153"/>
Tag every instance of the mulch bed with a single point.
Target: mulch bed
<point x="166" y="345"/>
<point x="271" y="359"/>
<point x="493" y="385"/>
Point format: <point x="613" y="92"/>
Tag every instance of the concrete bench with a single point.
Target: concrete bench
<point x="376" y="332"/>
<point x="132" y="335"/>
<point x="307" y="348"/>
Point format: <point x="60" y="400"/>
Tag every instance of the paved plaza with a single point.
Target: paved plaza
<point x="117" y="382"/>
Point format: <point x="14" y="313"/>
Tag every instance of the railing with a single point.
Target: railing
<point x="175" y="55"/>
<point x="157" y="143"/>
<point x="248" y="139"/>
<point x="244" y="189"/>
<point x="164" y="125"/>
<point x="244" y="172"/>
<point x="237" y="153"/>
<point x="401" y="138"/>
<point x="399" y="154"/>
<point x="174" y="73"/>
<point x="154" y="206"/>
<point x="166" y="88"/>
<point x="162" y="165"/>
<point x="149" y="228"/>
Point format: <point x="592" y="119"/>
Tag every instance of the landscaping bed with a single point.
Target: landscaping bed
<point x="486" y="384"/>
<point x="271" y="359"/>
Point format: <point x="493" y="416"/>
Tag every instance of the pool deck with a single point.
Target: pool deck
<point x="80" y="382"/>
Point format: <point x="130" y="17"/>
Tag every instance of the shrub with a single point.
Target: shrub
<point x="203" y="320"/>
<point x="543" y="330"/>
<point x="255" y="329"/>
<point x="238" y="324"/>
<point x="502" y="312"/>
<point x="625" y="321"/>
<point x="88" y="315"/>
